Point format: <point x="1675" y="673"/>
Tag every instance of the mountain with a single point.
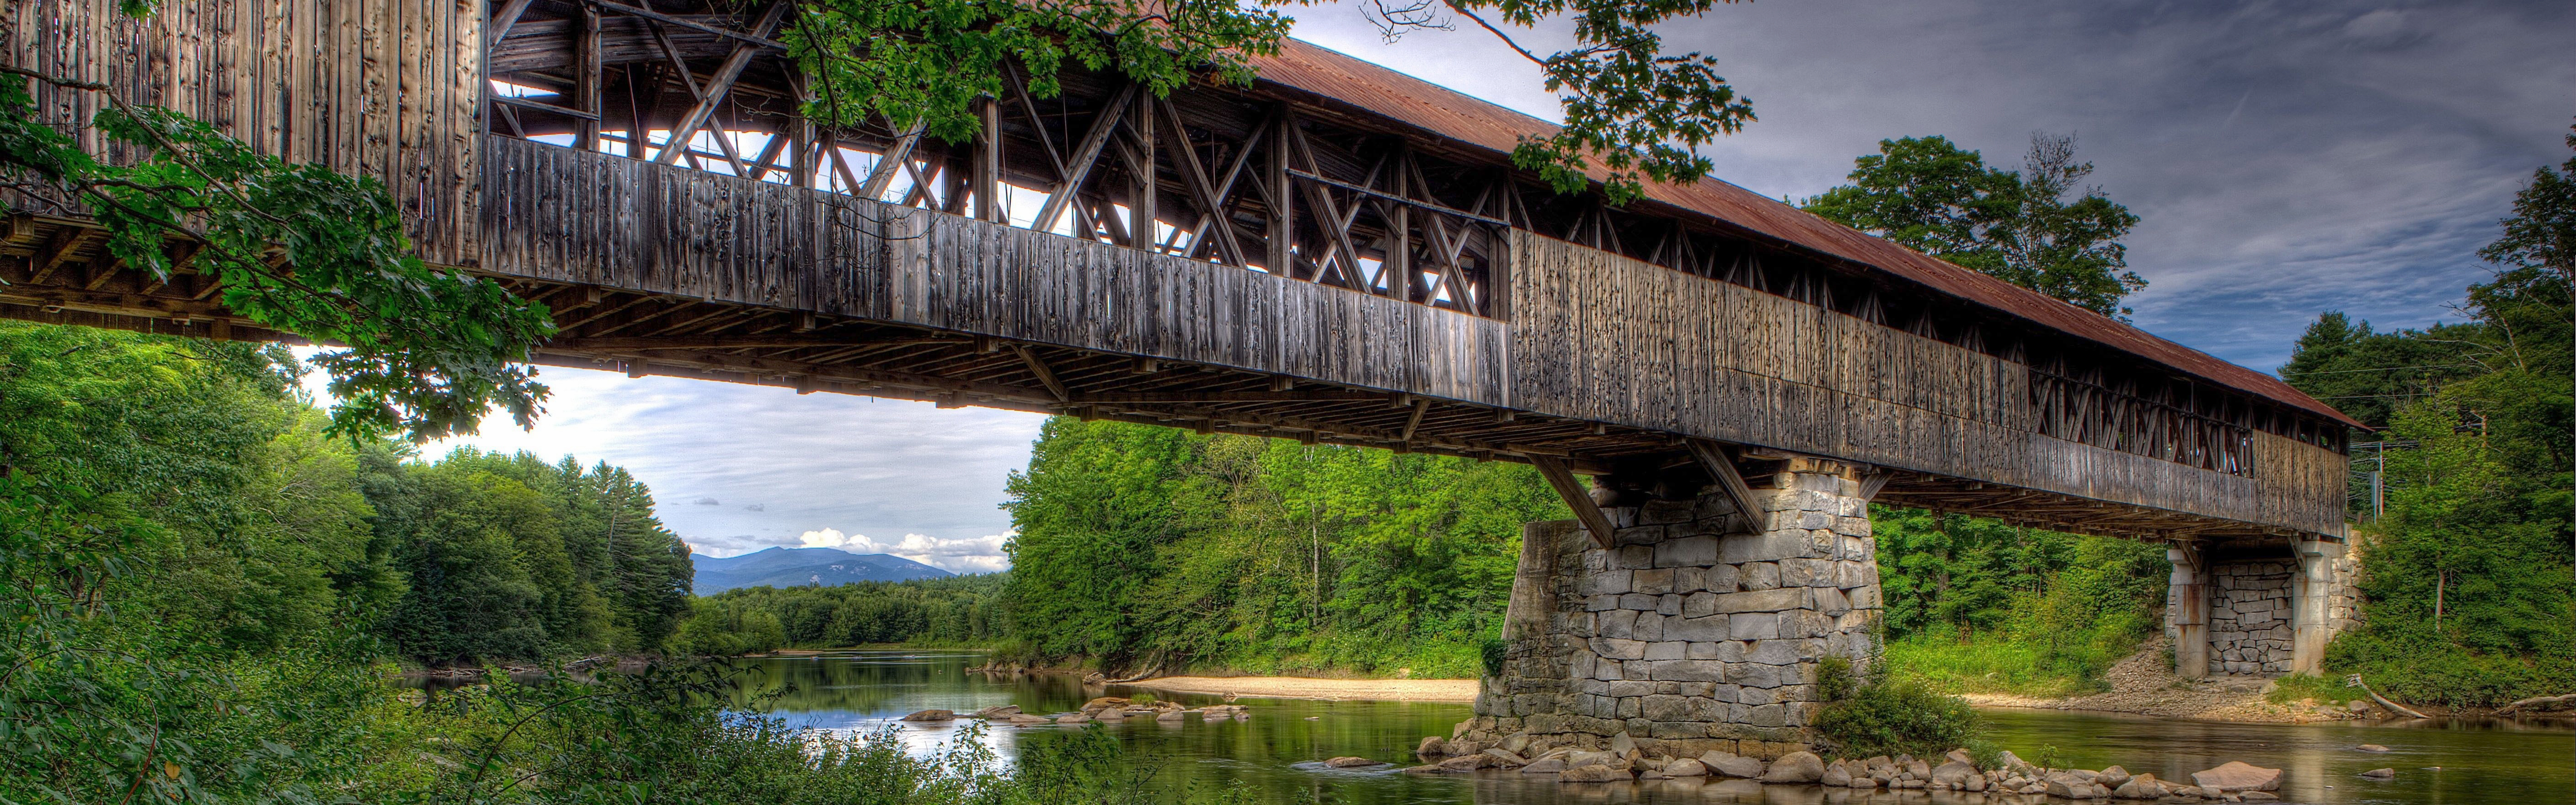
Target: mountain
<point x="799" y="567"/>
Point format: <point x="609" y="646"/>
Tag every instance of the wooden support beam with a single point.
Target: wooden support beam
<point x="1283" y="202"/>
<point x="1413" y="421"/>
<point x="896" y="157"/>
<point x="1218" y="397"/>
<point x="759" y="38"/>
<point x="616" y="343"/>
<point x="1712" y="458"/>
<point x="1046" y="376"/>
<point x="1576" y="498"/>
<point x="1079" y="166"/>
<point x="1142" y="211"/>
<point x="588" y="76"/>
<point x="1870" y="486"/>
<point x="503" y="20"/>
<point x="719" y="86"/>
<point x="1202" y="191"/>
<point x="987" y="161"/>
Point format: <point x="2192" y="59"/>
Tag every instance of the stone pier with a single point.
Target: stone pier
<point x="1700" y="628"/>
<point x="2258" y="609"/>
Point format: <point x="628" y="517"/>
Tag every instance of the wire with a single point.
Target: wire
<point x="2383" y="369"/>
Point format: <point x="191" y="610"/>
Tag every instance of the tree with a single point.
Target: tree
<point x="1633" y="113"/>
<point x="2036" y="228"/>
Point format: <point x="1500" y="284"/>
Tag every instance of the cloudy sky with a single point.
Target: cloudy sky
<point x="2287" y="158"/>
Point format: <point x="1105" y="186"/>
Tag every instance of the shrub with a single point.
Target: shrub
<point x="1877" y="716"/>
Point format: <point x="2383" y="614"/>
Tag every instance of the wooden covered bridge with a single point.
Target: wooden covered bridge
<point x="1337" y="253"/>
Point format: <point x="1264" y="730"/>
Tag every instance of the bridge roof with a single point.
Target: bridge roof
<point x="1466" y="119"/>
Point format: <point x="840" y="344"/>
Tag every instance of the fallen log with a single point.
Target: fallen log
<point x="2354" y="680"/>
<point x="2566" y="699"/>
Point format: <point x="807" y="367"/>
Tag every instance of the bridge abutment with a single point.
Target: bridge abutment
<point x="1701" y="627"/>
<point x="2258" y="609"/>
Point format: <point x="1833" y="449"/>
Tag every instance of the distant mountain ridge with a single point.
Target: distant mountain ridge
<point x="802" y="567"/>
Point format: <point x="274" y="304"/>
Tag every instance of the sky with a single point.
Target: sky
<point x="2286" y="158"/>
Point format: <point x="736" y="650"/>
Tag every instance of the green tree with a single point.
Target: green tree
<point x="2039" y="228"/>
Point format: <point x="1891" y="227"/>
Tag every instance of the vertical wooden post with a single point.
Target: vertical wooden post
<point x="1140" y="210"/>
<point x="801" y="158"/>
<point x="1397" y="268"/>
<point x="587" y="76"/>
<point x="988" y="161"/>
<point x="1283" y="202"/>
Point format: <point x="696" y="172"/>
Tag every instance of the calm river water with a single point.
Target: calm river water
<point x="1274" y="752"/>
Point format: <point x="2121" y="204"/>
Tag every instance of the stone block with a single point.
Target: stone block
<point x="1769" y="715"/>
<point x="1601" y="687"/>
<point x="1758" y="696"/>
<point x="1644" y="535"/>
<point x="1753" y="625"/>
<point x="1637" y="669"/>
<point x="1666" y="650"/>
<point x="1698" y="604"/>
<point x="1724" y="579"/>
<point x="1727" y="692"/>
<point x="1805" y="623"/>
<point x="1687" y="552"/>
<point x="1732" y="651"/>
<point x="1688" y="671"/>
<point x="1607" y="582"/>
<point x="1668" y="604"/>
<point x="1630" y="708"/>
<point x="1639" y="601"/>
<point x="1774" y="652"/>
<point x="1830" y="601"/>
<point x="1776" y="499"/>
<point x="1656" y="512"/>
<point x="1608" y="670"/>
<point x="1617" y="649"/>
<point x="1632" y="557"/>
<point x="1703" y="708"/>
<point x="1598" y="603"/>
<point x="1710" y="507"/>
<point x="1664" y="708"/>
<point x="1812" y="520"/>
<point x="1852" y="505"/>
<point x="1865" y="597"/>
<point x="1657" y="582"/>
<point x="1755" y="675"/>
<point x="1687" y="580"/>
<point x="1737" y="549"/>
<point x="1805" y="572"/>
<point x="1851" y="526"/>
<point x="1759" y="575"/>
<point x="1700" y="651"/>
<point x="1649" y="627"/>
<point x="1711" y="628"/>
<point x="1618" y="623"/>
<point x="1762" y="600"/>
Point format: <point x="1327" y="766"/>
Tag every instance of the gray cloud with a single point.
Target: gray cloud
<point x="708" y="502"/>
<point x="2287" y="158"/>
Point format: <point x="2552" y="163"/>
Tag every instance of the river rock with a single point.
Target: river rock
<point x="1173" y="716"/>
<point x="1112" y="715"/>
<point x="1837" y="775"/>
<point x="1544" y="766"/>
<point x="932" y="715"/>
<point x="2258" y="796"/>
<point x="2371" y="748"/>
<point x="1348" y="762"/>
<point x="2237" y="776"/>
<point x="1954" y="773"/>
<point x="1622" y="744"/>
<point x="2113" y="777"/>
<point x="1073" y="718"/>
<point x="1432" y="746"/>
<point x="1467" y="763"/>
<point x="1599" y="773"/>
<point x="1024" y="719"/>
<point x="2143" y="786"/>
<point x="1505" y="758"/>
<point x="1961" y="756"/>
<point x="2380" y="774"/>
<point x="1727" y="764"/>
<point x="1579" y="759"/>
<point x="1426" y="768"/>
<point x="1686" y="767"/>
<point x="2013" y="763"/>
<point x="2073" y="784"/>
<point x="1105" y="702"/>
<point x="998" y="711"/>
<point x="1796" y="767"/>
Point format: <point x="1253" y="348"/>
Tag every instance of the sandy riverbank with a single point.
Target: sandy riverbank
<point x="2143" y="684"/>
<point x="1291" y="687"/>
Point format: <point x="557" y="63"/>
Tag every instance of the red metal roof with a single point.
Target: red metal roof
<point x="1447" y="113"/>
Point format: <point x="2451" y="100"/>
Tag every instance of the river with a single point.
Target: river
<point x="1274" y="752"/>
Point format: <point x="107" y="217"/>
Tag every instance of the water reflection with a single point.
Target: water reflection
<point x="1275" y="751"/>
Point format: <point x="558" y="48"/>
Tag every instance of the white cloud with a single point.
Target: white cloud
<point x="970" y="555"/>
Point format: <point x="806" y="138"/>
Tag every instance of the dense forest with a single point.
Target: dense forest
<point x="952" y="611"/>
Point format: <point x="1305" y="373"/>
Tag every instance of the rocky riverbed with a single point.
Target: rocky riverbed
<point x="1623" y="761"/>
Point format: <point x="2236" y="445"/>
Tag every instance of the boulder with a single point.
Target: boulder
<point x="1598" y="773"/>
<point x="1347" y="762"/>
<point x="1581" y="758"/>
<point x="932" y="715"/>
<point x="2371" y="748"/>
<point x="1544" y="766"/>
<point x="1073" y="718"/>
<point x="1504" y="757"/>
<point x="1466" y="763"/>
<point x="2113" y="777"/>
<point x="2380" y="774"/>
<point x="1961" y="756"/>
<point x="1686" y="767"/>
<point x="2258" y="796"/>
<point x="1954" y="773"/>
<point x="1024" y="719"/>
<point x="2143" y="786"/>
<point x="1173" y="716"/>
<point x="998" y="711"/>
<point x="1516" y="743"/>
<point x="1837" y="775"/>
<point x="2072" y="784"/>
<point x="1112" y="715"/>
<point x="1727" y="764"/>
<point x="1432" y="746"/>
<point x="2012" y="763"/>
<point x="1425" y="769"/>
<point x="1622" y="744"/>
<point x="1796" y="767"/>
<point x="2237" y="776"/>
<point x="1104" y="702"/>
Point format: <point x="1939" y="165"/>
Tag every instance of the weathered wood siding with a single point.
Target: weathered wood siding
<point x="1602" y="337"/>
<point x="388" y="89"/>
<point x="560" y="214"/>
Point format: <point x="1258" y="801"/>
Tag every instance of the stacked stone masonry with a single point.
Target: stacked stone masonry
<point x="2249" y="618"/>
<point x="1699" y="628"/>
<point x="2254" y="608"/>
